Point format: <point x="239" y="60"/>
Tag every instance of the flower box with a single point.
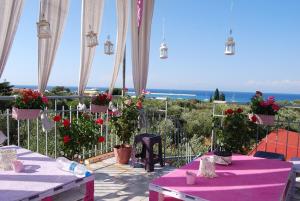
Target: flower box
<point x="22" y="114"/>
<point x="263" y="119"/>
<point x="98" y="108"/>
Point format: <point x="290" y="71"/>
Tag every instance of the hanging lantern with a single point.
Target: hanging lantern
<point x="43" y="28"/>
<point x="91" y="39"/>
<point x="108" y="47"/>
<point x="163" y="51"/>
<point x="230" y="45"/>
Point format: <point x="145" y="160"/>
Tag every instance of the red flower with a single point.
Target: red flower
<point x="254" y="119"/>
<point x="66" y="123"/>
<point x="45" y="99"/>
<point x="99" y="121"/>
<point x="101" y="139"/>
<point x="57" y="118"/>
<point x="139" y="104"/>
<point x="239" y="110"/>
<point x="275" y="107"/>
<point x="229" y="111"/>
<point x="67" y="139"/>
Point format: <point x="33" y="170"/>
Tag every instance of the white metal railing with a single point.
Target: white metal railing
<point x="29" y="134"/>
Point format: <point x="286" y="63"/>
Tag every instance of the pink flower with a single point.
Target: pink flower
<point x="45" y="99"/>
<point x="128" y="102"/>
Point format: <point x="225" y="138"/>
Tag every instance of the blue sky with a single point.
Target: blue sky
<point x="267" y="35"/>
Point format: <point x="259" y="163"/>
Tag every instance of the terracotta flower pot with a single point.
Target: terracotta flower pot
<point x="22" y="114"/>
<point x="122" y="153"/>
<point x="263" y="119"/>
<point x="98" y="108"/>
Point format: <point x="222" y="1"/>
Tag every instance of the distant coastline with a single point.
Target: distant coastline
<point x="203" y="95"/>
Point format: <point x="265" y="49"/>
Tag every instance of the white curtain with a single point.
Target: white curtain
<point x="122" y="7"/>
<point x="55" y="12"/>
<point x="91" y="18"/>
<point x="141" y="20"/>
<point x="10" y="12"/>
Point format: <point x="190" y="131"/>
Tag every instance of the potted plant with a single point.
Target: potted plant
<point x="263" y="111"/>
<point x="28" y="105"/>
<point x="232" y="135"/>
<point x="78" y="136"/>
<point x="100" y="103"/>
<point x="123" y="124"/>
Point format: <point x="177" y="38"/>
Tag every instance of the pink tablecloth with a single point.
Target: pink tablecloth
<point x="248" y="178"/>
<point x="41" y="179"/>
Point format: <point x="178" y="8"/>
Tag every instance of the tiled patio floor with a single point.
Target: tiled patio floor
<point x="116" y="182"/>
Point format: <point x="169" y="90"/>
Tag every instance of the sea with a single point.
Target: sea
<point x="203" y="95"/>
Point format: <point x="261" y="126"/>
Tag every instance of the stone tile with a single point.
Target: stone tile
<point x="122" y="182"/>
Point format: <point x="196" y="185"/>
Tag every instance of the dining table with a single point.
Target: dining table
<point x="41" y="179"/>
<point x="247" y="178"/>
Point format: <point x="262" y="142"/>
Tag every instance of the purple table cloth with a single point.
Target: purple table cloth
<point x="247" y="178"/>
<point x="40" y="177"/>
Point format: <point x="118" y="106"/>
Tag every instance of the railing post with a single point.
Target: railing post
<point x="28" y="134"/>
<point x="7" y="127"/>
<point x="55" y="129"/>
<point x="37" y="134"/>
<point x="18" y="133"/>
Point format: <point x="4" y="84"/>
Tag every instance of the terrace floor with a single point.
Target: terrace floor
<point x="122" y="182"/>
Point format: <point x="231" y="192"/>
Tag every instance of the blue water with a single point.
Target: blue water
<point x="231" y="96"/>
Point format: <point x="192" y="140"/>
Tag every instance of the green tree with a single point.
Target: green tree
<point x="222" y="96"/>
<point x="217" y="94"/>
<point x="5" y="90"/>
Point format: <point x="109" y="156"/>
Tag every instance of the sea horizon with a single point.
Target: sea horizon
<point x="203" y="95"/>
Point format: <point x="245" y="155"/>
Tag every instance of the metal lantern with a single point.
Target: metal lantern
<point x="43" y="28"/>
<point x="163" y="50"/>
<point x="108" y="46"/>
<point x="91" y="39"/>
<point x="230" y="45"/>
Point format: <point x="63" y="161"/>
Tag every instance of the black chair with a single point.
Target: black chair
<point x="269" y="155"/>
<point x="147" y="154"/>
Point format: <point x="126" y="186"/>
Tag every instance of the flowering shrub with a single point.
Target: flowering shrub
<point x="261" y="106"/>
<point x="101" y="99"/>
<point x="123" y="122"/>
<point x="233" y="135"/>
<point x="29" y="99"/>
<point x="82" y="133"/>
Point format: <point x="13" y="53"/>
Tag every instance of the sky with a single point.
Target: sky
<point x="267" y="35"/>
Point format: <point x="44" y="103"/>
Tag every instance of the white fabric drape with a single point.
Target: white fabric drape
<point x="10" y="12"/>
<point x="140" y="42"/>
<point x="91" y="18"/>
<point x="55" y="12"/>
<point x="122" y="19"/>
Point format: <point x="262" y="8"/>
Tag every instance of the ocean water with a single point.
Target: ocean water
<point x="231" y="96"/>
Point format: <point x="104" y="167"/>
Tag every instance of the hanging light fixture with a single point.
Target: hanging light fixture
<point x="91" y="38"/>
<point x="108" y="46"/>
<point x="43" y="26"/>
<point x="163" y="50"/>
<point x="230" y="45"/>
